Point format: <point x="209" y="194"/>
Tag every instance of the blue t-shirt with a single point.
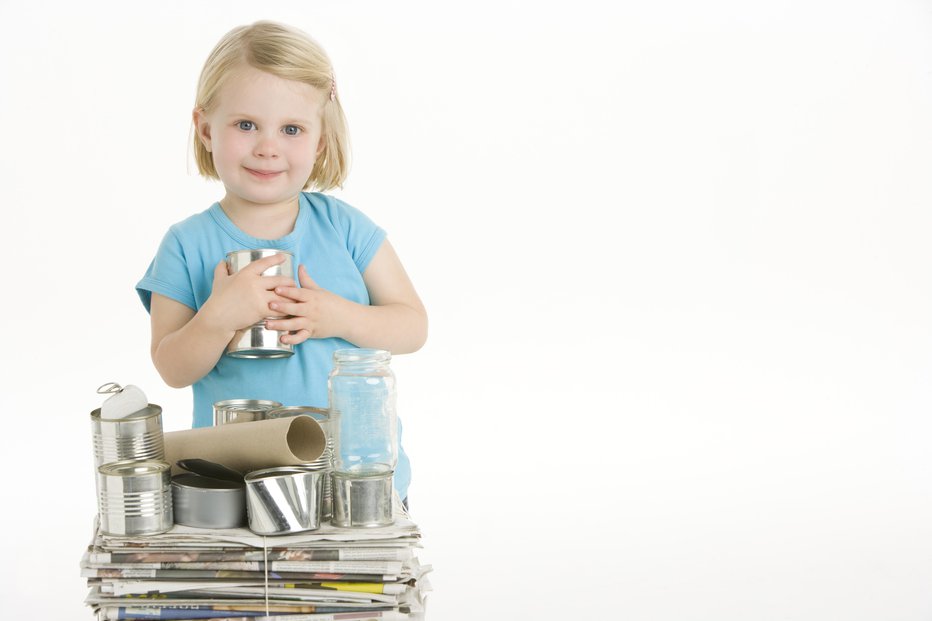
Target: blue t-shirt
<point x="334" y="241"/>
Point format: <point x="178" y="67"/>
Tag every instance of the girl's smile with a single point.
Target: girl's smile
<point x="264" y="174"/>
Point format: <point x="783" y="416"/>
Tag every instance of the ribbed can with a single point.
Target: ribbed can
<point x="134" y="498"/>
<point x="135" y="437"/>
<point x="324" y="463"/>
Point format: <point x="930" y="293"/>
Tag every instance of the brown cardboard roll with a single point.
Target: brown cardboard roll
<point x="245" y="447"/>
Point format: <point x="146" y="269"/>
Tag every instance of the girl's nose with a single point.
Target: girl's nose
<point x="266" y="146"/>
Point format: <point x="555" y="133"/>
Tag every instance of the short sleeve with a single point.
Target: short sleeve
<point x="363" y="236"/>
<point x="168" y="275"/>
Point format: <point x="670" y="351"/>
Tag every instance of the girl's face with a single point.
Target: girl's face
<point x="264" y="135"/>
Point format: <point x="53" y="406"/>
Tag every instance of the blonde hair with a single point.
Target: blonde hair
<point x="289" y="54"/>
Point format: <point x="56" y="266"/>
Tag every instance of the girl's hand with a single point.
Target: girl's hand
<point x="244" y="298"/>
<point x="315" y="312"/>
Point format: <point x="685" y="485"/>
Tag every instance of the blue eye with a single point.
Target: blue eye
<point x="246" y="125"/>
<point x="291" y="130"/>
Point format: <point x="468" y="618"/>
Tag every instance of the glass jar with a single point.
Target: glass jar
<point x="362" y="410"/>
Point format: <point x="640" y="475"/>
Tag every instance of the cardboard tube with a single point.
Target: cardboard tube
<point x="245" y="447"/>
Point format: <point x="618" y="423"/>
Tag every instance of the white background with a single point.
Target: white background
<point x="675" y="254"/>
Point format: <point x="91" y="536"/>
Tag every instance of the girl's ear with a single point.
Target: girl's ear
<point x="202" y="127"/>
<point x="320" y="145"/>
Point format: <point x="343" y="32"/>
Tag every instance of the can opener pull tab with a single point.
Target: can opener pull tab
<point x="123" y="400"/>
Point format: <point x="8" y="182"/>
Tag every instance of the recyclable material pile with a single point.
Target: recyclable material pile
<point x="197" y="573"/>
<point x="181" y="547"/>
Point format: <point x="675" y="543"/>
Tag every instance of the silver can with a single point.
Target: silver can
<point x="137" y="436"/>
<point x="283" y="500"/>
<point x="242" y="410"/>
<point x="238" y="259"/>
<point x="257" y="341"/>
<point x="134" y="498"/>
<point x="323" y="463"/>
<point x="362" y="501"/>
<point x="204" y="502"/>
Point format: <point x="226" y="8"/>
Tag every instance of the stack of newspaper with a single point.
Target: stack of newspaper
<point x="226" y="574"/>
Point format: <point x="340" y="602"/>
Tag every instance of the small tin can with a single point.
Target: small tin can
<point x="283" y="500"/>
<point x="238" y="259"/>
<point x="363" y="501"/>
<point x="324" y="463"/>
<point x="137" y="436"/>
<point x="134" y="498"/>
<point x="257" y="341"/>
<point x="205" y="502"/>
<point x="242" y="410"/>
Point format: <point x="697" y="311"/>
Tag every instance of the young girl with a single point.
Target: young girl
<point x="268" y="124"/>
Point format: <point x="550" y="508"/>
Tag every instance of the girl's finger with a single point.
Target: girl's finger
<point x="293" y="293"/>
<point x="221" y="271"/>
<point x="276" y="282"/>
<point x="286" y="324"/>
<point x="305" y="279"/>
<point x="294" y="338"/>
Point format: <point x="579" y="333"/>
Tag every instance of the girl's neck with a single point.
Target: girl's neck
<point x="261" y="221"/>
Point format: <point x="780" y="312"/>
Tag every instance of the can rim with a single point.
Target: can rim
<point x="133" y="467"/>
<point x="276" y="471"/>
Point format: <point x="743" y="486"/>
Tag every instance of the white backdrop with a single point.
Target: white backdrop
<point x="675" y="256"/>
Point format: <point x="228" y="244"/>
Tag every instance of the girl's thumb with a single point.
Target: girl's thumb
<point x="305" y="279"/>
<point x="221" y="271"/>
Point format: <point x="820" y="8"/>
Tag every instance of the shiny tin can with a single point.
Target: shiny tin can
<point x="242" y="410"/>
<point x="323" y="463"/>
<point x="257" y="341"/>
<point x="134" y="498"/>
<point x="283" y="500"/>
<point x="205" y="502"/>
<point x="362" y="501"/>
<point x="135" y="437"/>
<point x="238" y="259"/>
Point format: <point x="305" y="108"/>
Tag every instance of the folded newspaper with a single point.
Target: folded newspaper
<point x="233" y="574"/>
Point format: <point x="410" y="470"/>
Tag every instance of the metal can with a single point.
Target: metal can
<point x="257" y="341"/>
<point x="324" y="463"/>
<point x="242" y="410"/>
<point x="137" y="436"/>
<point x="134" y="498"/>
<point x="283" y="500"/>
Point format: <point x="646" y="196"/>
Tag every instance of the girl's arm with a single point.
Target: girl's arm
<point x="187" y="344"/>
<point x="394" y="320"/>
